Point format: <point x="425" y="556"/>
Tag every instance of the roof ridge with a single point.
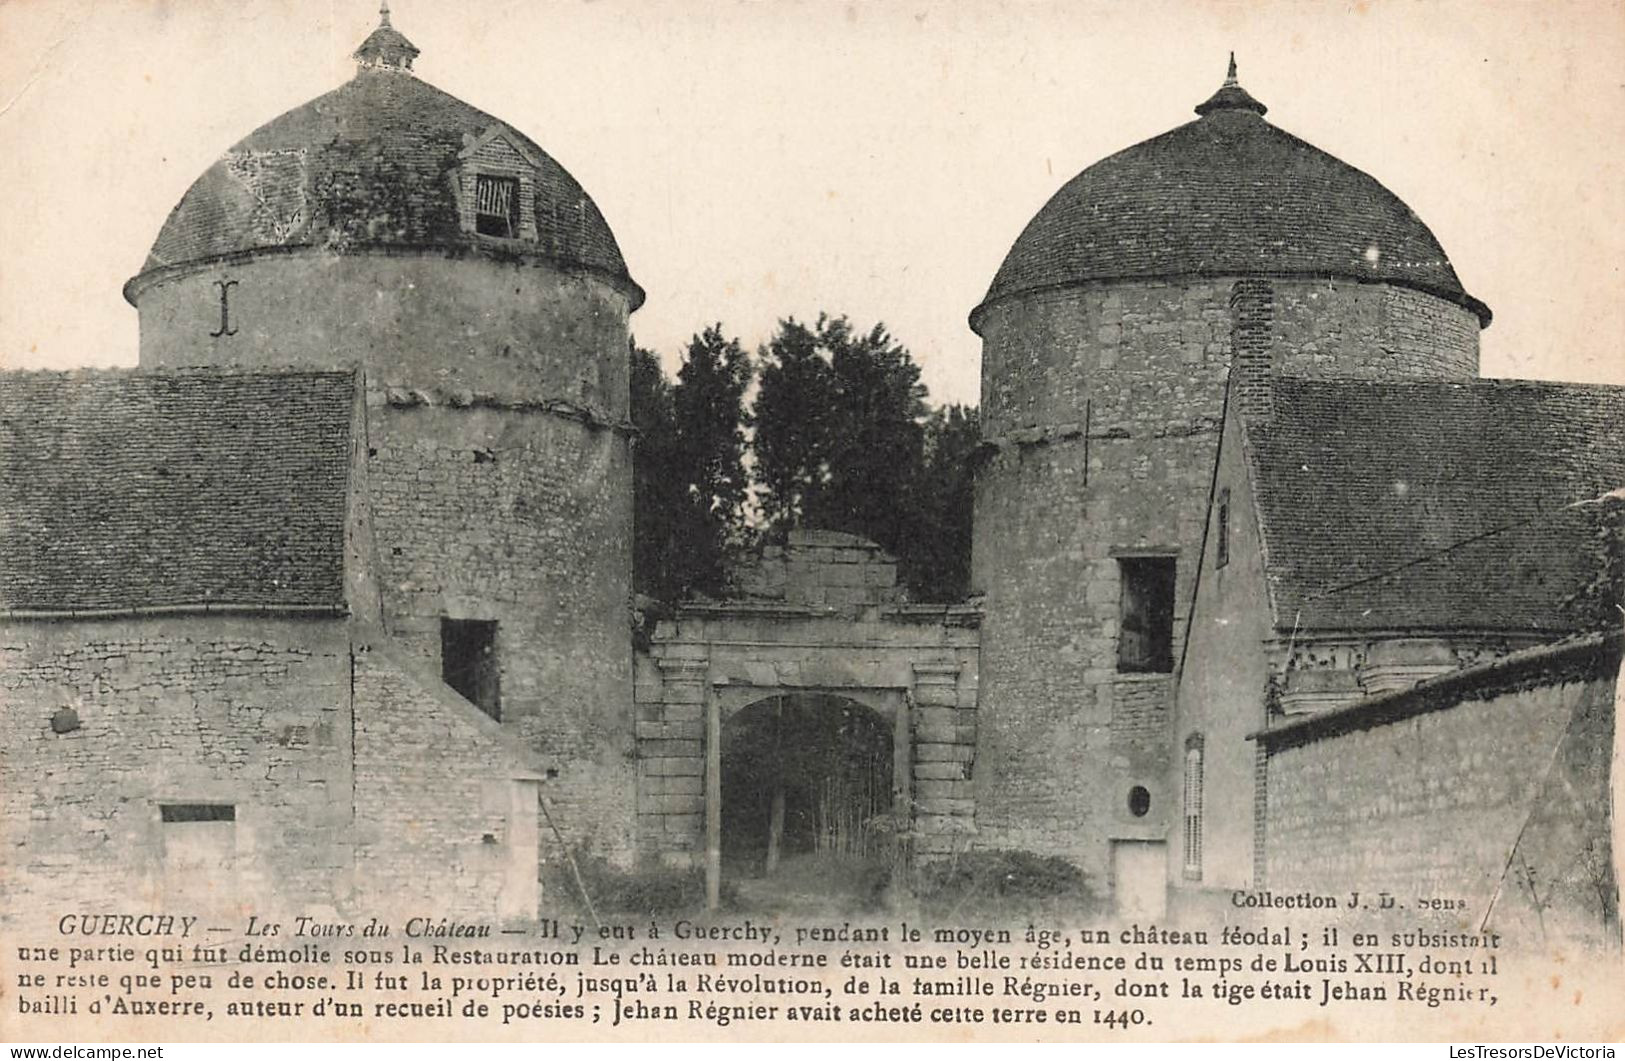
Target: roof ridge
<point x="89" y="373"/>
<point x="1475" y="382"/>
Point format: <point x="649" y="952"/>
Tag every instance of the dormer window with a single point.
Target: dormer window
<point x="495" y="185"/>
<point x="496" y="206"/>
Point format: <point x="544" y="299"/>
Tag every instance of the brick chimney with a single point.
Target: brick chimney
<point x="1252" y="371"/>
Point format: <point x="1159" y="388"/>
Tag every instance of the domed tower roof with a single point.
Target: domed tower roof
<point x="1226" y="195"/>
<point x="375" y="164"/>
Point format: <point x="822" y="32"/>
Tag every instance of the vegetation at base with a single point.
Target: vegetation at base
<point x="649" y="888"/>
<point x="1003" y="883"/>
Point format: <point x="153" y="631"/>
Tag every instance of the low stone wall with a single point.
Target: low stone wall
<point x="1489" y="786"/>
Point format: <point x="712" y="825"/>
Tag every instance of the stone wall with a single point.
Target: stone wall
<point x="355" y="782"/>
<point x="420" y="320"/>
<point x="445" y="801"/>
<point x="1100" y="409"/>
<point x="253" y="713"/>
<point x="497" y="471"/>
<point x="1470" y="786"/>
<point x="1371" y="331"/>
<point x="1065" y="736"/>
<point x="819" y="568"/>
<point x="524" y="518"/>
<point x="1223" y="687"/>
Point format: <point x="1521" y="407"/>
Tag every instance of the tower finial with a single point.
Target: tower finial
<point x="383" y="20"/>
<point x="1229" y="78"/>
<point x="386" y="48"/>
<point x="1231" y="96"/>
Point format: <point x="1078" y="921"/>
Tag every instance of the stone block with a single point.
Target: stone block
<point x="678" y="785"/>
<point x="936" y="695"/>
<point x="958" y="808"/>
<point x="848" y="575"/>
<point x="880" y="575"/>
<point x="960" y="753"/>
<point x="691" y="825"/>
<point x="939" y="771"/>
<point x="670" y="749"/>
<point x="674" y="767"/>
<point x="683" y="692"/>
<point x="654" y="730"/>
<point x="683" y="804"/>
<point x="682" y="713"/>
<point x="944" y="789"/>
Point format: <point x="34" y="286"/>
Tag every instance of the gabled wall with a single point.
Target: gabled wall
<point x="1222" y="693"/>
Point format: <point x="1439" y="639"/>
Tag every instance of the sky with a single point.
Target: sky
<point x="759" y="160"/>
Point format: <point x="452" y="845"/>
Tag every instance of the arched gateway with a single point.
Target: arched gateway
<point x="812" y="672"/>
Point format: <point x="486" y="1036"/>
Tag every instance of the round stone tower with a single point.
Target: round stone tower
<point x="389" y="227"/>
<point x="1108" y="336"/>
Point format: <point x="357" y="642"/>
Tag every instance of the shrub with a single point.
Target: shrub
<point x="1004" y="879"/>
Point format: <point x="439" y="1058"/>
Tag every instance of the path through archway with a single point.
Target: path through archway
<point x="807" y="801"/>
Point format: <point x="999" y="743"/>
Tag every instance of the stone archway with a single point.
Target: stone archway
<point x="821" y="618"/>
<point x="808" y="796"/>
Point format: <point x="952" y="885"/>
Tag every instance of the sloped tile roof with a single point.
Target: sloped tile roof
<point x="370" y="164"/>
<point x="123" y="490"/>
<point x="1432" y="505"/>
<point x="1228" y="194"/>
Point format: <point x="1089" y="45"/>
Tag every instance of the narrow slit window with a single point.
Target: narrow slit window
<point x="197" y="812"/>
<point x="469" y="663"/>
<point x="1145" y="643"/>
<point x="1221" y="529"/>
<point x="1193" y="811"/>
<point x="496" y="206"/>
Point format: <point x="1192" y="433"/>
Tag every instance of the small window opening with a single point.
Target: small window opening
<point x="468" y="662"/>
<point x="197" y="812"/>
<point x="1221" y="530"/>
<point x="496" y="206"/>
<point x="1145" y="642"/>
<point x="1139" y="801"/>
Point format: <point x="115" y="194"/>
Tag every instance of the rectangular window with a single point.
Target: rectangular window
<point x="197" y="812"/>
<point x="468" y="662"/>
<point x="496" y="206"/>
<point x="1145" y="642"/>
<point x="1221" y="529"/>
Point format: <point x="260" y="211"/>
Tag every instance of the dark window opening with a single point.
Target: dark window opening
<point x="1139" y="801"/>
<point x="1221" y="530"/>
<point x="496" y="206"/>
<point x="197" y="812"/>
<point x="1145" y="643"/>
<point x="468" y="662"/>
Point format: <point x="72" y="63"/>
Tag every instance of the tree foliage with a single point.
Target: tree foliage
<point x="792" y="415"/>
<point x="936" y="562"/>
<point x="656" y="492"/>
<point x="708" y="405"/>
<point x="839" y="437"/>
<point x="689" y="478"/>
